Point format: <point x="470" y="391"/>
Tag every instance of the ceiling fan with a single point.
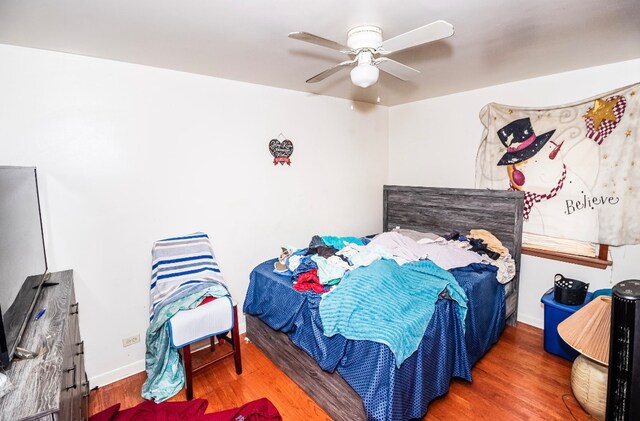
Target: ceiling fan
<point x="368" y="51"/>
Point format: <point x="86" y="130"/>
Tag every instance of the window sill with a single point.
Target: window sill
<point x="595" y="262"/>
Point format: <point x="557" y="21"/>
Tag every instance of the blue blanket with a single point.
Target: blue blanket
<point x="390" y="304"/>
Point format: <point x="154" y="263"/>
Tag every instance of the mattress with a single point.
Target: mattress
<point x="388" y="392"/>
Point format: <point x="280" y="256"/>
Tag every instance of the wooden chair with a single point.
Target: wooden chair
<point x="217" y="319"/>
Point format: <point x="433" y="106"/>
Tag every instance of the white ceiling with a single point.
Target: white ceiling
<point x="495" y="41"/>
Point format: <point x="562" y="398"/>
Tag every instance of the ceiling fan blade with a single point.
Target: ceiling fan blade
<point x="431" y="32"/>
<point x="330" y="71"/>
<point x="314" y="39"/>
<point x="396" y="69"/>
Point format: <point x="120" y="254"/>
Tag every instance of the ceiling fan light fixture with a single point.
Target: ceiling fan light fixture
<point x="364" y="75"/>
<point x="370" y="51"/>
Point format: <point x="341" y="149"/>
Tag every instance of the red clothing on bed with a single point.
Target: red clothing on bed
<point x="309" y="280"/>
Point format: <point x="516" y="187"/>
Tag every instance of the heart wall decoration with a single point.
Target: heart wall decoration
<point x="281" y="151"/>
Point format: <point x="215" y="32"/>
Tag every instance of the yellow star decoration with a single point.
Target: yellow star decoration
<point x="632" y="93"/>
<point x="627" y="133"/>
<point x="602" y="110"/>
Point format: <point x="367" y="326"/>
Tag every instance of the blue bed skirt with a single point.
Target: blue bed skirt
<point x="388" y="392"/>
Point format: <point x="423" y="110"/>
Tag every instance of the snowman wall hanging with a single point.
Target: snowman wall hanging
<point x="577" y="164"/>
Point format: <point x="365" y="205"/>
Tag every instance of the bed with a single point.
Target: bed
<point x="357" y="380"/>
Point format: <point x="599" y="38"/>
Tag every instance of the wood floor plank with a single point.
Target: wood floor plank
<point x="516" y="380"/>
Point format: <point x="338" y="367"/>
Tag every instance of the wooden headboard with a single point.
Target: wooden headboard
<point x="443" y="210"/>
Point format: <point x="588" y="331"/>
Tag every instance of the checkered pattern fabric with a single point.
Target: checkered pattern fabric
<point x="531" y="199"/>
<point x="606" y="126"/>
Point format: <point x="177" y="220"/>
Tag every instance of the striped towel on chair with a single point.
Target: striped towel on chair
<point x="184" y="271"/>
<point x="180" y="265"/>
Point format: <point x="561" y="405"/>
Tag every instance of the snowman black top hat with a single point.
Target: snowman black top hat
<point x="521" y="141"/>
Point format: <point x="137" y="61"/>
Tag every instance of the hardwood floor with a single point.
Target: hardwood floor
<point x="516" y="380"/>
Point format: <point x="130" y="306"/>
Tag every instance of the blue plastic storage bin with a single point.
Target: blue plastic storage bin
<point x="554" y="314"/>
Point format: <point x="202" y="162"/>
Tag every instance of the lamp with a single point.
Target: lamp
<point x="588" y="332"/>
<point x="588" y="329"/>
<point x="364" y="75"/>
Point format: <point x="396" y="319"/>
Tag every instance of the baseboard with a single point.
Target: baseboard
<point x="532" y="321"/>
<point x="137" y="366"/>
<point x="117" y="374"/>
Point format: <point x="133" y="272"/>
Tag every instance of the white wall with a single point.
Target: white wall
<point x="129" y="154"/>
<point x="434" y="143"/>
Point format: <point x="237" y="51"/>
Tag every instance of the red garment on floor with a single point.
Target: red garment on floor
<point x="165" y="411"/>
<point x="258" y="410"/>
<point x="151" y="411"/>
<point x="309" y="280"/>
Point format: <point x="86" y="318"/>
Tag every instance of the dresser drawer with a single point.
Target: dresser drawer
<point x="71" y="389"/>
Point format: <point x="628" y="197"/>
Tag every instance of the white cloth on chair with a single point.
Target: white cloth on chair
<point x="212" y="318"/>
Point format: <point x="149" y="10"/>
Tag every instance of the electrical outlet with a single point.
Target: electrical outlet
<point x="130" y="340"/>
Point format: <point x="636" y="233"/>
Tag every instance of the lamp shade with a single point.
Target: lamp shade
<point x="364" y="75"/>
<point x="588" y="329"/>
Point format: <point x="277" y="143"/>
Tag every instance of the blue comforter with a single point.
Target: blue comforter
<point x="388" y="392"/>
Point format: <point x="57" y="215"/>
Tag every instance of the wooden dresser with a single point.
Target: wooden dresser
<point x="52" y="386"/>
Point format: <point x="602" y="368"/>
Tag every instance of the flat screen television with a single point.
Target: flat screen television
<point x="23" y="261"/>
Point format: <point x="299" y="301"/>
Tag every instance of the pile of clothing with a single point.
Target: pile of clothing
<point x="490" y="248"/>
<point x="325" y="261"/>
